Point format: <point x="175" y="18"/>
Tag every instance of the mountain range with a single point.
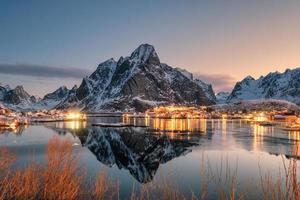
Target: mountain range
<point x="140" y="81"/>
<point x="17" y="98"/>
<point x="275" y="85"/>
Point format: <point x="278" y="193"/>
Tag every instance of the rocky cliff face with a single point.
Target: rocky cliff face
<point x="282" y="86"/>
<point x="51" y="100"/>
<point x="222" y="97"/>
<point x="138" y="82"/>
<point x="17" y="98"/>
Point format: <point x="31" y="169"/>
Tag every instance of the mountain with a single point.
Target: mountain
<point x="222" y="97"/>
<point x="207" y="88"/>
<point x="3" y="91"/>
<point x="281" y="86"/>
<point x="17" y="98"/>
<point x="138" y="82"/>
<point x="51" y="100"/>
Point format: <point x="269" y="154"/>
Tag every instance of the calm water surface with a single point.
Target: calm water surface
<point x="179" y="151"/>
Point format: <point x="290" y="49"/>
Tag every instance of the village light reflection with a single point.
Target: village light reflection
<point x="177" y="127"/>
<point x="224" y="126"/>
<point x="73" y="125"/>
<point x="295" y="137"/>
<point x="259" y="132"/>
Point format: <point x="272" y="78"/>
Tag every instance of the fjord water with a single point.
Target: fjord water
<point x="138" y="155"/>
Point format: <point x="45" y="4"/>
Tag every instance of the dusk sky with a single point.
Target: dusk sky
<point x="46" y="44"/>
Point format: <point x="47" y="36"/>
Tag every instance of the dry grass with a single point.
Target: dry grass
<point x="164" y="190"/>
<point x="286" y="186"/>
<point x="6" y="158"/>
<point x="220" y="177"/>
<point x="21" y="184"/>
<point x="105" y="188"/>
<point x="63" y="178"/>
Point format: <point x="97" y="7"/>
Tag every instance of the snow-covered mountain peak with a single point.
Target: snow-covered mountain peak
<point x="138" y="82"/>
<point x="275" y="85"/>
<point x="248" y="78"/>
<point x="57" y="94"/>
<point x="6" y="87"/>
<point x="108" y="63"/>
<point x="103" y="70"/>
<point x="19" y="90"/>
<point x="62" y="88"/>
<point x="145" y="53"/>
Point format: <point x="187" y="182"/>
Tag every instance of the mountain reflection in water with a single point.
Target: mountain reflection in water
<point x="135" y="149"/>
<point x="140" y="153"/>
<point x="142" y="150"/>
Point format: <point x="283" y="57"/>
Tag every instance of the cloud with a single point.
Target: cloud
<point x="220" y="82"/>
<point x="42" y="71"/>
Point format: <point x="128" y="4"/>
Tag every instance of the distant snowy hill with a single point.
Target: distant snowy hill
<point x="53" y="99"/>
<point x="222" y="97"/>
<point x="17" y="98"/>
<point x="138" y="82"/>
<point x="282" y="86"/>
<point x="258" y="105"/>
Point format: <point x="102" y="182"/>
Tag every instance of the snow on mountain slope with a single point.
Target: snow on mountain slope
<point x="138" y="82"/>
<point x="17" y="98"/>
<point x="222" y="97"/>
<point x="258" y="105"/>
<point x="52" y="99"/>
<point x="207" y="88"/>
<point x="284" y="86"/>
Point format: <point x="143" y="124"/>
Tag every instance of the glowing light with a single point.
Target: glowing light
<point x="13" y="125"/>
<point x="75" y="116"/>
<point x="178" y="112"/>
<point x="298" y="120"/>
<point x="261" y="117"/>
<point x="224" y="116"/>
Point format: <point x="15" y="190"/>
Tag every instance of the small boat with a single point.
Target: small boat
<point x="266" y="124"/>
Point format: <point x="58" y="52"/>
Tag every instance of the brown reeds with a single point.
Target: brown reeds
<point x="21" y="184"/>
<point x="6" y="158"/>
<point x="105" y="188"/>
<point x="285" y="186"/>
<point x="63" y="178"/>
<point x="162" y="188"/>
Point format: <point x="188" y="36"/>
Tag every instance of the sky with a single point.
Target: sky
<point x="46" y="44"/>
